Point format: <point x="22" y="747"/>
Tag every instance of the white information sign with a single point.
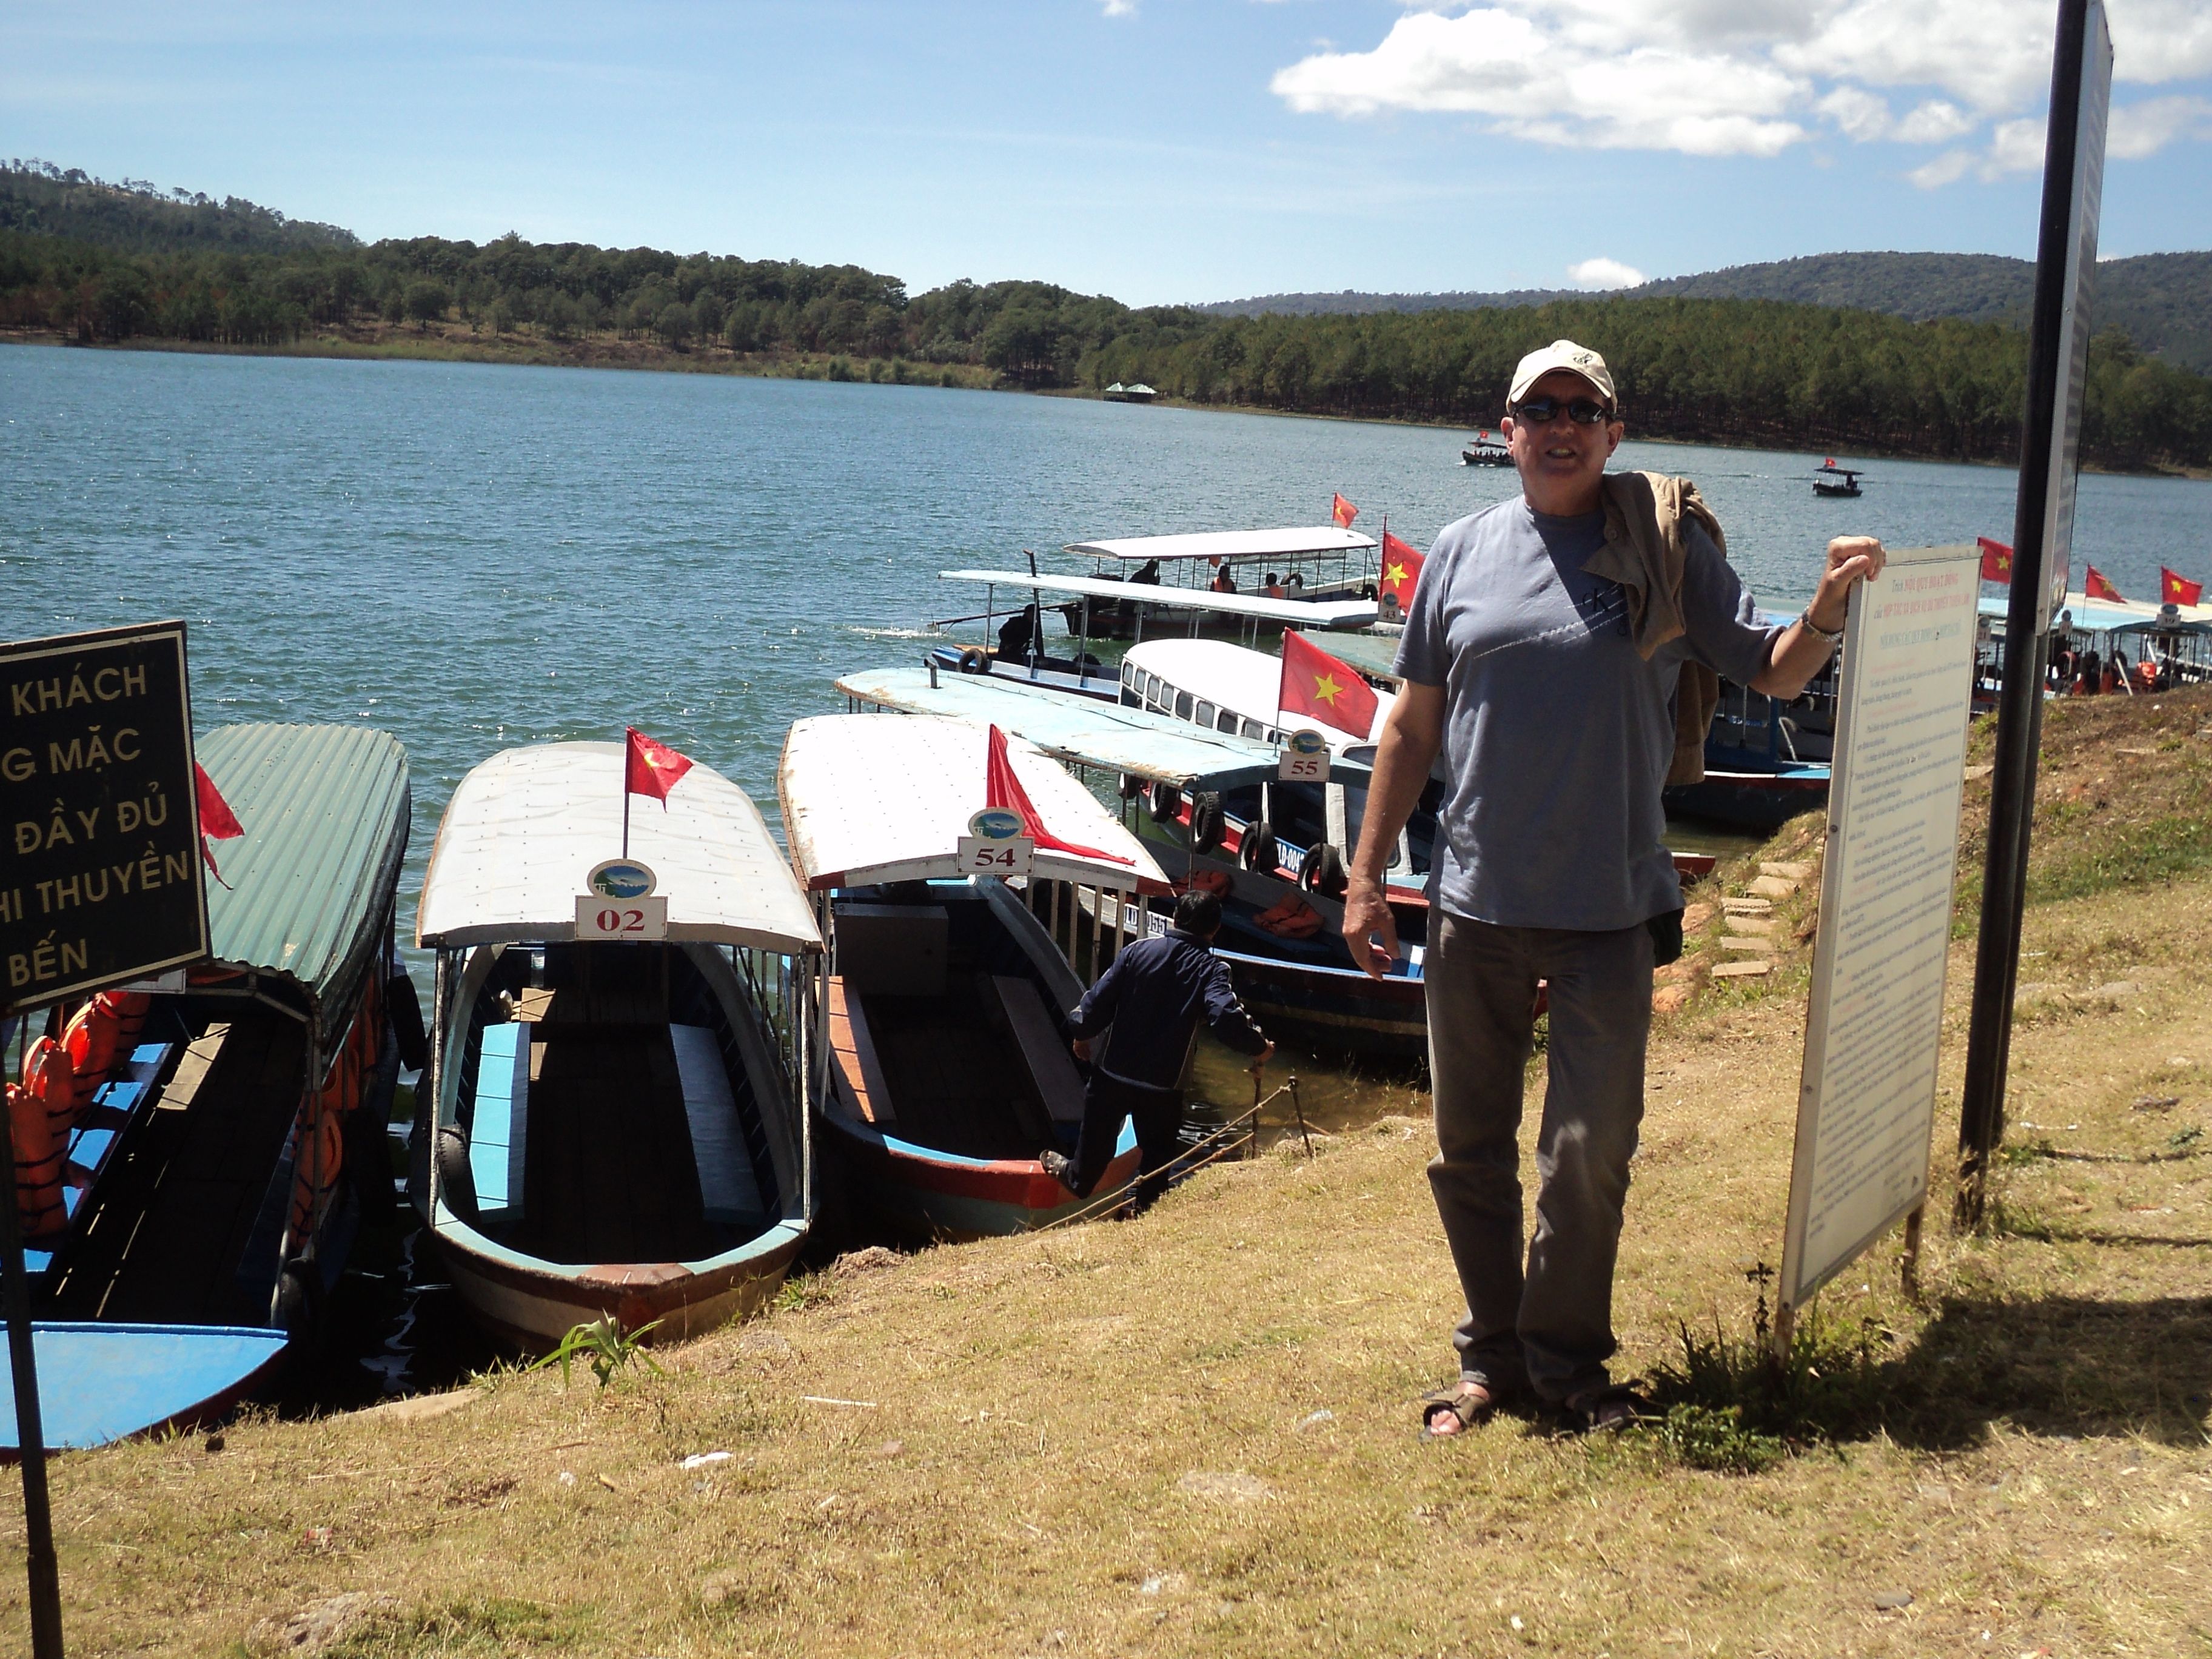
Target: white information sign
<point x="600" y="917"/>
<point x="1303" y="758"/>
<point x="1873" y="1025"/>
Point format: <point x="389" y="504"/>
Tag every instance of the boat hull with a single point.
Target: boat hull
<point x="1760" y="801"/>
<point x="928" y="1196"/>
<point x="533" y="1307"/>
<point x="102" y="1382"/>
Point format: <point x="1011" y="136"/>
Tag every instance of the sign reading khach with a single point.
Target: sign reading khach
<point x="100" y="873"/>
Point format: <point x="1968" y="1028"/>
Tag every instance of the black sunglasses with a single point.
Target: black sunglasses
<point x="1543" y="411"/>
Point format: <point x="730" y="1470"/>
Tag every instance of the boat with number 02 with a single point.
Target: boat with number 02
<point x="948" y="992"/>
<point x="612" y="1127"/>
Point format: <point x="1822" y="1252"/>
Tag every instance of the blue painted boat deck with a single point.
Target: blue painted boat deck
<point x="99" y="1383"/>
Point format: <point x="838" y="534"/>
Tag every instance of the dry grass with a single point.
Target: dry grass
<point x="1195" y="1433"/>
<point x="1112" y="1440"/>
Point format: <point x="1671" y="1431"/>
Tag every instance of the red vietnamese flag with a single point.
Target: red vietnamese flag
<point x="2095" y="587"/>
<point x="2175" y="590"/>
<point x="1341" y="510"/>
<point x="1316" y="685"/>
<point x="217" y="821"/>
<point x="652" y="769"/>
<point x="1003" y="790"/>
<point x="1997" y="560"/>
<point x="1401" y="570"/>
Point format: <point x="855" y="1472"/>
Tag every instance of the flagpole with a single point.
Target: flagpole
<point x="625" y="789"/>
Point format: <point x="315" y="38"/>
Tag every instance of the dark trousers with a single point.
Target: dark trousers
<point x="1548" y="1327"/>
<point x="1158" y="1114"/>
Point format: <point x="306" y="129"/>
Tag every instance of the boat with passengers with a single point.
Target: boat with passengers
<point x="612" y="1125"/>
<point x="217" y="1134"/>
<point x="951" y="974"/>
<point x="1188" y="612"/>
<point x="1280" y="922"/>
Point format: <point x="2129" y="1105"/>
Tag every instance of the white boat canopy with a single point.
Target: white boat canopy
<point x="876" y="798"/>
<point x="1291" y="613"/>
<point x="525" y="829"/>
<point x="1230" y="546"/>
<point x="1249" y="682"/>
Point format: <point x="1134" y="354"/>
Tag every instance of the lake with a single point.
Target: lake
<point x="471" y="557"/>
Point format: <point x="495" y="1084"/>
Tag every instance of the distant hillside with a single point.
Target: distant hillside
<point x="134" y="216"/>
<point x="2162" y="301"/>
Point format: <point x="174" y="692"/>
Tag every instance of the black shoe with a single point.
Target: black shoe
<point x="1059" y="1167"/>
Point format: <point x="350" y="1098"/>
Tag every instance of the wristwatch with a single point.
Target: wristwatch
<point x="1805" y="620"/>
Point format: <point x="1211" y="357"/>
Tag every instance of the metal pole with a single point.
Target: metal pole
<point x="2019" y="714"/>
<point x="41" y="1567"/>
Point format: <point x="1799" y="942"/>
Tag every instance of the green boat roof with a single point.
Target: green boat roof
<point x="325" y="811"/>
<point x="1086" y="731"/>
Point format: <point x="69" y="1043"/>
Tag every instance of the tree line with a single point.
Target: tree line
<point x="100" y="263"/>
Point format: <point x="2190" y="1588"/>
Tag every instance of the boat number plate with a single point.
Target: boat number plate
<point x="599" y="917"/>
<point x="986" y="855"/>
<point x="1303" y="758"/>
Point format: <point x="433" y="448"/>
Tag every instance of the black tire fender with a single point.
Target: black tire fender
<point x="1167" y="802"/>
<point x="972" y="661"/>
<point x="1208" y="824"/>
<point x="1259" y="850"/>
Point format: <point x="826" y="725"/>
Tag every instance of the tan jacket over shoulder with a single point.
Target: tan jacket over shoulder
<point x="1645" y="552"/>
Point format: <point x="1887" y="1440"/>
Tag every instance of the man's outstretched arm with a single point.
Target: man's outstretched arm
<point x="1412" y="732"/>
<point x="1799" y="653"/>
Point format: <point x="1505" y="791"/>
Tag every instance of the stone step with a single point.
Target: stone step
<point x="1773" y="887"/>
<point x="1763" y="947"/>
<point x="1791" y="871"/>
<point x="1746" y="906"/>
<point x="1754" y="925"/>
<point x="1750" y="968"/>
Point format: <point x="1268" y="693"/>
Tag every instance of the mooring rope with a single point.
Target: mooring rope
<point x="1217" y="1143"/>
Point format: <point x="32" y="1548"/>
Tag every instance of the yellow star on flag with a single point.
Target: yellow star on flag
<point x="1392" y="575"/>
<point x="1326" y="689"/>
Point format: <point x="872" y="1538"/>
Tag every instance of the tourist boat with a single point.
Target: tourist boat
<point x="611" y="1126"/>
<point x="1765" y="761"/>
<point x="1833" y="480"/>
<point x="949" y="1068"/>
<point x="1138" y="392"/>
<point x="1281" y="918"/>
<point x="1483" y="450"/>
<point x="230" y="1130"/>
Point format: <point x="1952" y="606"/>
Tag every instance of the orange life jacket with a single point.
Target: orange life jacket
<point x="1216" y="882"/>
<point x="102" y="1032"/>
<point x="40" y="1113"/>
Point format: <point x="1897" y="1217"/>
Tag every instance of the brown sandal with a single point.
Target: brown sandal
<point x="1469" y="1402"/>
<point x="1607" y="1410"/>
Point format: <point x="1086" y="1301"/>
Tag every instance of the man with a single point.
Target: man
<point x="1153" y="997"/>
<point x="1551" y="692"/>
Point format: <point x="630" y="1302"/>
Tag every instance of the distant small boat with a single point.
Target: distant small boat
<point x="1833" y="480"/>
<point x="1136" y="393"/>
<point x="1483" y="450"/>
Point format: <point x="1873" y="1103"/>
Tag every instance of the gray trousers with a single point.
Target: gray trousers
<point x="1550" y="1329"/>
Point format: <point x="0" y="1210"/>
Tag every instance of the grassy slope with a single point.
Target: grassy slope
<point x="1105" y="1441"/>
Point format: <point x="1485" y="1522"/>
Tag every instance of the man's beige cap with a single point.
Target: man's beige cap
<point x="1562" y="353"/>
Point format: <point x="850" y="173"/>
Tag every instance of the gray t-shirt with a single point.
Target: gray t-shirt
<point x="1557" y="735"/>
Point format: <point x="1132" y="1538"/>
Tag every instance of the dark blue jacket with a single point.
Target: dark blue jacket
<point x="1153" y="996"/>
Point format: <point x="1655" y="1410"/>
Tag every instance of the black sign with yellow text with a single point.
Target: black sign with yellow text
<point x="100" y="858"/>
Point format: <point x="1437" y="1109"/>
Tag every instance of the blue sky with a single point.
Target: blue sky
<point x="1154" y="149"/>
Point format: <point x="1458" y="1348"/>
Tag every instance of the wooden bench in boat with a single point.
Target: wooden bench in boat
<point x="1048" y="1059"/>
<point x="510" y="1060"/>
<point x="116" y="1105"/>
<point x="860" y="1072"/>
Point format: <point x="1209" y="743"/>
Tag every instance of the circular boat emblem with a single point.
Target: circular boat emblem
<point x="995" y="823"/>
<point x="621" y="879"/>
<point x="1307" y="741"/>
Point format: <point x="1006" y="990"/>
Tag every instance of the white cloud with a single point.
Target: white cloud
<point x="2144" y="128"/>
<point x="1748" y="77"/>
<point x="1546" y="86"/>
<point x="1120" y="8"/>
<point x="1946" y="169"/>
<point x="1603" y="273"/>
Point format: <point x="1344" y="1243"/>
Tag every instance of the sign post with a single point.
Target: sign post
<point x="2043" y="537"/>
<point x="1875" y="1020"/>
<point x="100" y="884"/>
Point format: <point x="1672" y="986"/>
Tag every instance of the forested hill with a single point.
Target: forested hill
<point x="2162" y="301"/>
<point x="91" y="262"/>
<point x="138" y="217"/>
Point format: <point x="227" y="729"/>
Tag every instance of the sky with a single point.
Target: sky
<point x="1157" y="150"/>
